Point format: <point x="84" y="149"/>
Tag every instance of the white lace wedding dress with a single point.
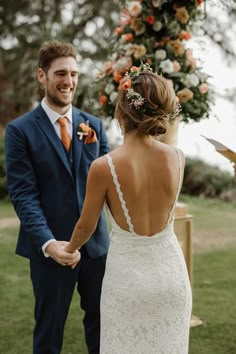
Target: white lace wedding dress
<point x="146" y="294"/>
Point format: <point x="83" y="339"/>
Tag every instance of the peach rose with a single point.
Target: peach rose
<point x="140" y="51"/>
<point x="177" y="66"/>
<point x="203" y="88"/>
<point x="177" y="47"/>
<point x="125" y="17"/>
<point x="184" y="95"/>
<point x="182" y="15"/>
<point x="136" y="24"/>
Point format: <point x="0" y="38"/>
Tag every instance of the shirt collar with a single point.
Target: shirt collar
<point x="52" y="115"/>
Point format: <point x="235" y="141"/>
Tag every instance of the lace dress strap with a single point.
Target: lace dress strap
<point x="120" y="194"/>
<point x="179" y="186"/>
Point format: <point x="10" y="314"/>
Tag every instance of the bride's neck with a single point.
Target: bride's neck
<point x="132" y="137"/>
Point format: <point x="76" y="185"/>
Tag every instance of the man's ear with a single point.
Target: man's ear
<point x="41" y="76"/>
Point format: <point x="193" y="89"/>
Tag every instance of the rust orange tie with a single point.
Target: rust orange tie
<point x="65" y="136"/>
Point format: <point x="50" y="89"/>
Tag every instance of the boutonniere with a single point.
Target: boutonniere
<point x="84" y="130"/>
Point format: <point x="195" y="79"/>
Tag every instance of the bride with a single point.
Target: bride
<point x="146" y="295"/>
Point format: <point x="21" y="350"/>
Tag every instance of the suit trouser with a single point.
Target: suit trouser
<point x="53" y="287"/>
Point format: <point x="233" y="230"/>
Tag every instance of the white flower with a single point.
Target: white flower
<point x="157" y="26"/>
<point x="167" y="66"/>
<point x="191" y="80"/>
<point x="113" y="96"/>
<point x="134" y="8"/>
<point x="203" y="76"/>
<point x="109" y="89"/>
<point x="160" y="54"/>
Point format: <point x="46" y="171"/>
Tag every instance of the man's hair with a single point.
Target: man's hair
<point x="52" y="50"/>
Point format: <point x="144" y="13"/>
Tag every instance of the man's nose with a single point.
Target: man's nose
<point x="69" y="80"/>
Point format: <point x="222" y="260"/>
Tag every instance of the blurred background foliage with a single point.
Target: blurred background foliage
<point x="89" y="25"/>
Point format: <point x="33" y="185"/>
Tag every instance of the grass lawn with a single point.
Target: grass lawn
<point x="214" y="289"/>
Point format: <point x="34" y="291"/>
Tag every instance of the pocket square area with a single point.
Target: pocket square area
<point x="89" y="133"/>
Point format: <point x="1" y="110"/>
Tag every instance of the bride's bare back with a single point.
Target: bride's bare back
<point x="148" y="173"/>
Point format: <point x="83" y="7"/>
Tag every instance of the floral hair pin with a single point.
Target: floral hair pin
<point x="135" y="99"/>
<point x="85" y="130"/>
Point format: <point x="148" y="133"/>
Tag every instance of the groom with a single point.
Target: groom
<point x="47" y="162"/>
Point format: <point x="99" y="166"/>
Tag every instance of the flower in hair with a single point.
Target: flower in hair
<point x="127" y="84"/>
<point x="136" y="100"/>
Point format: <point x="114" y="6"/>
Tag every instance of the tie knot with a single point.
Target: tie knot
<point x="62" y="121"/>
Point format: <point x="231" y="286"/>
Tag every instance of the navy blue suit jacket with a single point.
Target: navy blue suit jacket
<point x="46" y="193"/>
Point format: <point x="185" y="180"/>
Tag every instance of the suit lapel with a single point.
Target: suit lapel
<point x="46" y="126"/>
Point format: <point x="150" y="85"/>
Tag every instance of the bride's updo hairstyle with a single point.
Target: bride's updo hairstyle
<point x="146" y="102"/>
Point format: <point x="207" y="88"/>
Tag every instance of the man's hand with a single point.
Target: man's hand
<point x="56" y="250"/>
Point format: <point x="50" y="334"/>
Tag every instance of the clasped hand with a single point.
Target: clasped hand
<point x="56" y="250"/>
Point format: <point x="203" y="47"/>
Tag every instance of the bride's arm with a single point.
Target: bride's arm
<point x="96" y="189"/>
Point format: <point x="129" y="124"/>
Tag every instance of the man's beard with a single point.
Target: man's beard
<point x="56" y="101"/>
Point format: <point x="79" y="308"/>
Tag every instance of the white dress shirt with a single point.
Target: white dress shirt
<point x="53" y="117"/>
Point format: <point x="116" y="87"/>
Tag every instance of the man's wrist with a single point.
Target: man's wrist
<point x="45" y="246"/>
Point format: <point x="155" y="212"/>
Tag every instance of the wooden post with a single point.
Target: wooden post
<point x="183" y="231"/>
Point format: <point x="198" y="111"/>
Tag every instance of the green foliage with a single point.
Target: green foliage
<point x="202" y="179"/>
<point x="3" y="188"/>
<point x="25" y="24"/>
<point x="214" y="302"/>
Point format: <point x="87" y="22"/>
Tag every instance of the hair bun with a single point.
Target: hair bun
<point x="153" y="126"/>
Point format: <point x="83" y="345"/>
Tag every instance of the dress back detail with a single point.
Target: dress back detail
<point x="123" y="202"/>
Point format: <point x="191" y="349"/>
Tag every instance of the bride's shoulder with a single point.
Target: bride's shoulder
<point x="99" y="167"/>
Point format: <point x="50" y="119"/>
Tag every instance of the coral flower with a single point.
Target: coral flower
<point x="103" y="99"/>
<point x="127" y="84"/>
<point x="184" y="35"/>
<point x="134" y="68"/>
<point x="118" y="30"/>
<point x="117" y="76"/>
<point x="129" y="37"/>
